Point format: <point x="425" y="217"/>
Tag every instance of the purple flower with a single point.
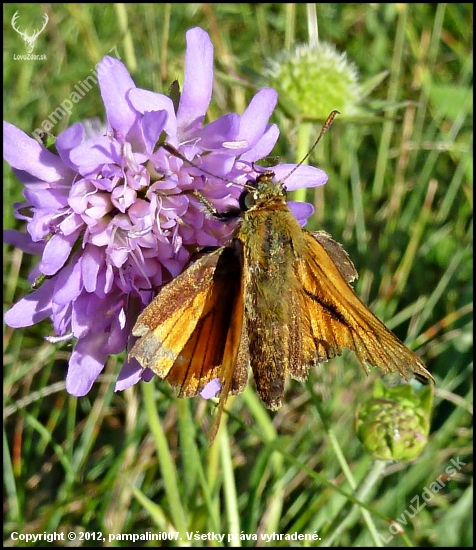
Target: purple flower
<point x="108" y="214"/>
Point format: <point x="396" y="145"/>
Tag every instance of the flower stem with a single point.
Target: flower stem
<point x="348" y="475"/>
<point x="166" y="463"/>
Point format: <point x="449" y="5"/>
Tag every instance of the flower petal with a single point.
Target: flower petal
<point x="68" y="282"/>
<point x="93" y="258"/>
<point x="56" y="252"/>
<point x="33" y="308"/>
<point x="114" y="82"/>
<point x="264" y="146"/>
<point x="23" y="241"/>
<point x="25" y="153"/>
<point x="301" y="210"/>
<point x="130" y="374"/>
<point x="198" y="81"/>
<point x="145" y="101"/>
<point x="62" y="319"/>
<point x="52" y="200"/>
<point x="67" y="141"/>
<point x="254" y="120"/>
<point x="86" y="363"/>
<point x="211" y="389"/>
<point x="220" y="130"/>
<point x="303" y="176"/>
<point x="80" y="318"/>
<point x="91" y="155"/>
<point x="152" y="126"/>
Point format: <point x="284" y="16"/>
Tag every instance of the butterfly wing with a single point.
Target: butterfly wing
<point x="337" y="254"/>
<point x="191" y="332"/>
<point x="335" y="318"/>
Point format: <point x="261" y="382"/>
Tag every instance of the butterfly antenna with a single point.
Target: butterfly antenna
<point x="324" y="129"/>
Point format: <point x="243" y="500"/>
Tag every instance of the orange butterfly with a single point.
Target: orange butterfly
<point x="278" y="300"/>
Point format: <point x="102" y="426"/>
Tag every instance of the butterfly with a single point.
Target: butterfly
<point x="277" y="300"/>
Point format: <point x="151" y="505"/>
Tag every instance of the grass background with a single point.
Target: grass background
<point x="399" y="198"/>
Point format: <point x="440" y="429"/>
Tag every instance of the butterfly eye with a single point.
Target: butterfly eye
<point x="247" y="200"/>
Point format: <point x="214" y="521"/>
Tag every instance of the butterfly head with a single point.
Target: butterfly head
<point x="261" y="191"/>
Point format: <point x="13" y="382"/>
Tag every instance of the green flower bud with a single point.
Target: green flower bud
<point x="394" y="424"/>
<point x="313" y="80"/>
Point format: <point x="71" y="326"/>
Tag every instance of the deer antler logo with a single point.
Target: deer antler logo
<point x="29" y="40"/>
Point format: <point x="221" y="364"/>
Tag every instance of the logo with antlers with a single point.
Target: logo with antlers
<point x="29" y="40"/>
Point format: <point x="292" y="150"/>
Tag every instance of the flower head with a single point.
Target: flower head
<point x="110" y="214"/>
<point x="395" y="423"/>
<point x="315" y="79"/>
